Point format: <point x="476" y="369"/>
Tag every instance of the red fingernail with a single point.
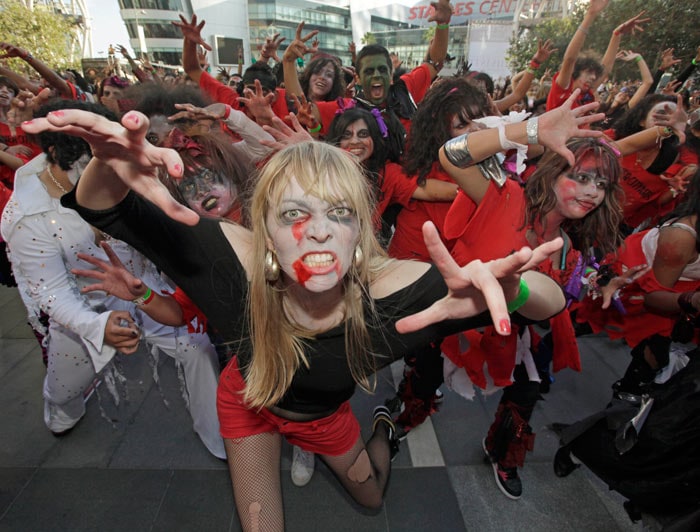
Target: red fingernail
<point x="504" y="325"/>
<point x="178" y="168"/>
<point x="133" y="118"/>
<point x="27" y="122"/>
<point x="56" y="113"/>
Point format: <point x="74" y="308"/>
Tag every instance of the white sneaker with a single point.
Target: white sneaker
<point x="302" y="466"/>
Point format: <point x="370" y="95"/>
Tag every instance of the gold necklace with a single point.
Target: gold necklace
<point x="55" y="181"/>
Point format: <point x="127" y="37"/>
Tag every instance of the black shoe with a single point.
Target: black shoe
<point x="563" y="464"/>
<point x="383" y="415"/>
<point x="508" y="481"/>
<point x="394" y="404"/>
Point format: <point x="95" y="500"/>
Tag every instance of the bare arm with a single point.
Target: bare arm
<point x="572" y="52"/>
<point x="436" y="190"/>
<point x="51" y="77"/>
<point x="192" y="33"/>
<point x="629" y="26"/>
<point x="554" y="129"/>
<point x="296" y="49"/>
<point x="438" y="47"/>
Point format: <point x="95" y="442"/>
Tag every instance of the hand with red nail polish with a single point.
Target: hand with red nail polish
<point x="479" y="287"/>
<point x="122" y="159"/>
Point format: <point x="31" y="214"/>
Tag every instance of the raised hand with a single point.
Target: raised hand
<point x="673" y="116"/>
<point x="544" y="50"/>
<point x="442" y="12"/>
<point x="609" y="291"/>
<point x="123" y="148"/>
<point x="476" y="286"/>
<point x="284" y="135"/>
<point x="113" y="276"/>
<point x="258" y="104"/>
<point x="297" y="48"/>
<point x="667" y="59"/>
<point x="559" y="125"/>
<point x="269" y="49"/>
<point x="632" y="25"/>
<point x="192" y="31"/>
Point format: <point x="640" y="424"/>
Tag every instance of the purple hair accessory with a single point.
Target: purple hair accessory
<point x="342" y="106"/>
<point x="380" y="122"/>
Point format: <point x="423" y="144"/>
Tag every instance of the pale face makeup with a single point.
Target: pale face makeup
<point x="580" y="191"/>
<point x="209" y="194"/>
<point x="314" y="240"/>
<point x="585" y="80"/>
<point x="660" y="107"/>
<point x="357" y="140"/>
<point x="321" y="83"/>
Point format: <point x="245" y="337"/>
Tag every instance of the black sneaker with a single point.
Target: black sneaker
<point x="383" y="415"/>
<point x="508" y="481"/>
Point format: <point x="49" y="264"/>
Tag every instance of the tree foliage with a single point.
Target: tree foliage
<point x="47" y="35"/>
<point x="673" y="24"/>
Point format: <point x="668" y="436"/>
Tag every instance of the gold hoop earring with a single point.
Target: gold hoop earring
<point x="272" y="267"/>
<point x="358" y="257"/>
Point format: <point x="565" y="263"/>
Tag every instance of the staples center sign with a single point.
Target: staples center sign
<point x="472" y="10"/>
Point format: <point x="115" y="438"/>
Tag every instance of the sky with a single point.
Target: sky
<point x="107" y="26"/>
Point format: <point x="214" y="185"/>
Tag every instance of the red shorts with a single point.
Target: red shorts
<point x="331" y="435"/>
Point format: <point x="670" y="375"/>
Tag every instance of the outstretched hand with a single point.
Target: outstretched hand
<point x="113" y="276"/>
<point x="620" y="281"/>
<point x="192" y="31"/>
<point x="123" y="148"/>
<point x="476" y="286"/>
<point x="284" y="135"/>
<point x="557" y="126"/>
<point x="297" y="48"/>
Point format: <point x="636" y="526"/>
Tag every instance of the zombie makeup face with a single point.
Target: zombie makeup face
<point x="209" y="194"/>
<point x="314" y="240"/>
<point x="659" y="108"/>
<point x="580" y="190"/>
<point x="585" y="80"/>
<point x="357" y="140"/>
<point x="375" y="78"/>
<point x="321" y="83"/>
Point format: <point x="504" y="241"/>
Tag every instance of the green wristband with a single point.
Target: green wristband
<point x="316" y="129"/>
<point x="523" y="295"/>
<point x="444" y="26"/>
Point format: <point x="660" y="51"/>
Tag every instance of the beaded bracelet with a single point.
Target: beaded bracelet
<point x="145" y="299"/>
<point x="523" y="295"/>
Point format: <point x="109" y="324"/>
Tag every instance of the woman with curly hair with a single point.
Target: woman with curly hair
<point x="575" y="198"/>
<point x="322" y="80"/>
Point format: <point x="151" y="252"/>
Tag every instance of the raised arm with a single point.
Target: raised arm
<point x="460" y="155"/>
<point x="296" y="49"/>
<point x="522" y="85"/>
<point x="438" y="47"/>
<point x="51" y="77"/>
<point x="628" y="27"/>
<point x="572" y="52"/>
<point x="647" y="78"/>
<point x="192" y="33"/>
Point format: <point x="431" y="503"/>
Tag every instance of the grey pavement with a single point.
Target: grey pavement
<point x="139" y="466"/>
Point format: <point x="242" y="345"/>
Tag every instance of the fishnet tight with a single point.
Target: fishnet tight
<point x="254" y="465"/>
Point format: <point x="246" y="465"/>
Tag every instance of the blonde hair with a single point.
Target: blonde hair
<point x="278" y="343"/>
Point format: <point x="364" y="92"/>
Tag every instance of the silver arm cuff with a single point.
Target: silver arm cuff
<point x="457" y="152"/>
<point x="491" y="169"/>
